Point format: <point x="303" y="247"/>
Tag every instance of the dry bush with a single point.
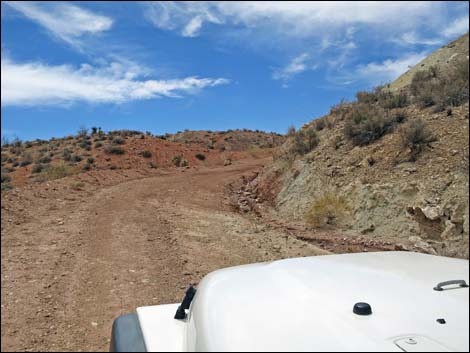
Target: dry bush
<point x="291" y="131"/>
<point x="432" y="87"/>
<point x="57" y="171"/>
<point x="77" y="185"/>
<point x="341" y="109"/>
<point x="146" y="153"/>
<point x="304" y="141"/>
<point x="38" y="168"/>
<point x="118" y="141"/>
<point x="26" y="159"/>
<point x="114" y="150"/>
<point x="367" y="123"/>
<point x="394" y="100"/>
<point x="415" y="135"/>
<point x="177" y="160"/>
<point x="202" y="156"/>
<point x="320" y="124"/>
<point x="327" y="210"/>
<point x="5" y="178"/>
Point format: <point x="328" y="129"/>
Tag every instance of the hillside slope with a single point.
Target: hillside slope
<point x="386" y="166"/>
<point x="38" y="161"/>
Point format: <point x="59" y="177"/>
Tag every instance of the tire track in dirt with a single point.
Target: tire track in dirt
<point x="132" y="244"/>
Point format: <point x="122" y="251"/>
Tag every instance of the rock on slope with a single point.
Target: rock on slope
<point x="421" y="205"/>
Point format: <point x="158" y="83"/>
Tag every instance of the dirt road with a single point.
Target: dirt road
<point x="75" y="256"/>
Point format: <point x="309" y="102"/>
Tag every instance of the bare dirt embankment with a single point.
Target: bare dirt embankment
<point x="75" y="256"/>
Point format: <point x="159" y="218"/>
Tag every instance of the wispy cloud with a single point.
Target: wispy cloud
<point x="65" y="21"/>
<point x="412" y="38"/>
<point x="39" y="84"/>
<point x="330" y="35"/>
<point x="457" y="27"/>
<point x="380" y="72"/>
<point x="296" y="66"/>
<point x="294" y="18"/>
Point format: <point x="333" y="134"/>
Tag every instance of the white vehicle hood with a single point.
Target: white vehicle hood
<point x="306" y="304"/>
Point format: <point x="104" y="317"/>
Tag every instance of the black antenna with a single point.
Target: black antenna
<point x="188" y="297"/>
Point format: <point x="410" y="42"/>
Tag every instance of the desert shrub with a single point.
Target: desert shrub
<point x="340" y="109"/>
<point x="87" y="166"/>
<point x="6" y="187"/>
<point x="28" y="144"/>
<point x="329" y="209"/>
<point x="320" y="124"/>
<point x="90" y="160"/>
<point x="27" y="159"/>
<point x="330" y="122"/>
<point x="5" y="178"/>
<point x="57" y="171"/>
<point x="45" y="159"/>
<point x="114" y="150"/>
<point x="17" y="142"/>
<point x="5" y="157"/>
<point x="201" y="156"/>
<point x="291" y="131"/>
<point x="76" y="158"/>
<point x="118" y="141"/>
<point x="184" y="163"/>
<point x="394" y="100"/>
<point x="85" y="144"/>
<point x="5" y="141"/>
<point x="399" y="116"/>
<point x="78" y="185"/>
<point x="17" y="150"/>
<point x="176" y="160"/>
<point x="304" y="141"/>
<point x="367" y="97"/>
<point x="7" y="170"/>
<point x="415" y="135"/>
<point x="94" y="130"/>
<point x="67" y="155"/>
<point x="366" y="123"/>
<point x="82" y="131"/>
<point x="37" y="168"/>
<point x="15" y="163"/>
<point x="146" y="153"/>
<point x="442" y="89"/>
<point x="98" y="144"/>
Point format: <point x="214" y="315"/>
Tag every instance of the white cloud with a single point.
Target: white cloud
<point x="66" y="21"/>
<point x="296" y="66"/>
<point x="388" y="70"/>
<point x="293" y="18"/>
<point x="39" y="84"/>
<point x="456" y="28"/>
<point x="192" y="28"/>
<point x="412" y="38"/>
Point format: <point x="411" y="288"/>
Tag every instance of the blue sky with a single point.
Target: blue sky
<point x="169" y="66"/>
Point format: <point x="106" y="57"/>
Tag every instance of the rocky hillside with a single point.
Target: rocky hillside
<point x="38" y="161"/>
<point x="230" y="140"/>
<point x="391" y="166"/>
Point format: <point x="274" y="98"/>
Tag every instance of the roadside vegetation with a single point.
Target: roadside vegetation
<point x="330" y="209"/>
